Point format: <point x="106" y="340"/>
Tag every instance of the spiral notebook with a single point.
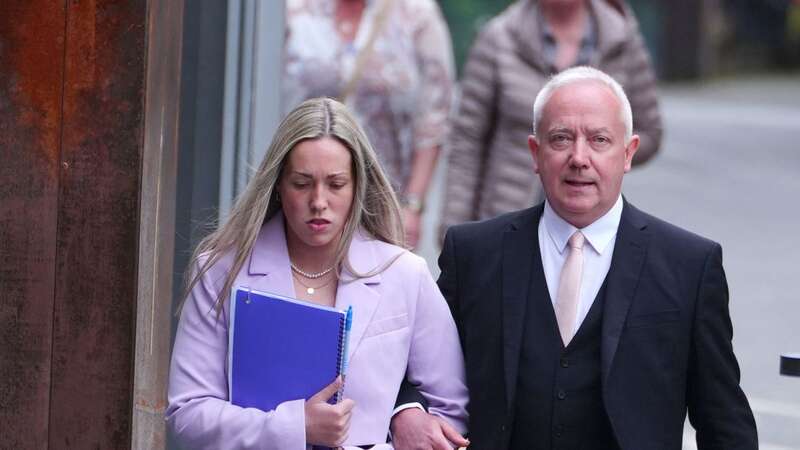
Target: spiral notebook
<point x="283" y="349"/>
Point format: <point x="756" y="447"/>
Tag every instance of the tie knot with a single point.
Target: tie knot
<point x="576" y="240"/>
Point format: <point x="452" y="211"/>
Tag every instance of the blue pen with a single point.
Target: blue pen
<point x="348" y="324"/>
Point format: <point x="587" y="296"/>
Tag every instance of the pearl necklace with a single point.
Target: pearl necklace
<point x="310" y="290"/>
<point x="311" y="276"/>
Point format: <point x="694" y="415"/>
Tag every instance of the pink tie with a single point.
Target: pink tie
<point x="569" y="288"/>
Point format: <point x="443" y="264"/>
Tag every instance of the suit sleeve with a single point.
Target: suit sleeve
<point x="199" y="415"/>
<point x="718" y="408"/>
<point x="435" y="363"/>
<point x="448" y="282"/>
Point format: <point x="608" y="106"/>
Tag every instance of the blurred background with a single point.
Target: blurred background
<point x="128" y="127"/>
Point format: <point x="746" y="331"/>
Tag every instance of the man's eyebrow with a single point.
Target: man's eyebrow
<point x="599" y="130"/>
<point x="559" y="129"/>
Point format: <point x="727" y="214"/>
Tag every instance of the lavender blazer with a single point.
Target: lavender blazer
<point x="401" y="325"/>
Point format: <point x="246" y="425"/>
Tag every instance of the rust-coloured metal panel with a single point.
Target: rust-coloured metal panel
<point x="94" y="311"/>
<point x="31" y="60"/>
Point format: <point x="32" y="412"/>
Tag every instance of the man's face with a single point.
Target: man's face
<point x="580" y="151"/>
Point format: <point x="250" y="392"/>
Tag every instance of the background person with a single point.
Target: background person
<point x="512" y="58"/>
<point x="320" y="222"/>
<point x="392" y="62"/>
<point x="585" y="322"/>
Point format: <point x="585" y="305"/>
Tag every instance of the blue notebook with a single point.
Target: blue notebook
<point x="282" y="349"/>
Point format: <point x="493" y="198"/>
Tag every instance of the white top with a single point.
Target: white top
<point x="601" y="235"/>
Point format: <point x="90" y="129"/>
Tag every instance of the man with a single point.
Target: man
<point x="586" y="323"/>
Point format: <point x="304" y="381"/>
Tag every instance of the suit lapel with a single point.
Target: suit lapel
<point x="623" y="278"/>
<point x="520" y="249"/>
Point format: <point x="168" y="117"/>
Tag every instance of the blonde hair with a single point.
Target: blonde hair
<point x="375" y="207"/>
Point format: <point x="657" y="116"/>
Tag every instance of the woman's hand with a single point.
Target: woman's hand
<point x="328" y="424"/>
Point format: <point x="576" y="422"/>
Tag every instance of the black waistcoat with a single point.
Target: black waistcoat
<point x="559" y="402"/>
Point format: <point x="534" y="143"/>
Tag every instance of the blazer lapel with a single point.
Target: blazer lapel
<point x="520" y="248"/>
<point x="360" y="293"/>
<point x="269" y="264"/>
<point x="270" y="272"/>
<point x="623" y="278"/>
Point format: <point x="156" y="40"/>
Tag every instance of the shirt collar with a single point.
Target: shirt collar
<point x="598" y="234"/>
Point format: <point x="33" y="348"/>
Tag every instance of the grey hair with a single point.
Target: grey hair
<point x="375" y="206"/>
<point x="583" y="73"/>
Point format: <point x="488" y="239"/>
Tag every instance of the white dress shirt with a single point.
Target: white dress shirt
<point x="601" y="235"/>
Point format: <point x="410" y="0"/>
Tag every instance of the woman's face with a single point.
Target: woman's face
<point x="316" y="189"/>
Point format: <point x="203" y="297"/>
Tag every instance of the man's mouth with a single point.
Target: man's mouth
<point x="578" y="183"/>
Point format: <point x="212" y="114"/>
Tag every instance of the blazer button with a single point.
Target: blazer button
<point x="561" y="394"/>
<point x="564" y="362"/>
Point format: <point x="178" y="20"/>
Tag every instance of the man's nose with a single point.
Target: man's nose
<point x="580" y="154"/>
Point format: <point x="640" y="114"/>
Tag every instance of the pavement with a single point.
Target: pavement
<point x="729" y="169"/>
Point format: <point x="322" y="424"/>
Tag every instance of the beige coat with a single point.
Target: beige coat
<point x="490" y="168"/>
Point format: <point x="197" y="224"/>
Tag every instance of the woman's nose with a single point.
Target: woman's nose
<point x="318" y="199"/>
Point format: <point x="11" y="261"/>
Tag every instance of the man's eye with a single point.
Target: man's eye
<point x="601" y="139"/>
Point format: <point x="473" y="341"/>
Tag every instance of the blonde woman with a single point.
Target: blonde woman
<point x="319" y="222"/>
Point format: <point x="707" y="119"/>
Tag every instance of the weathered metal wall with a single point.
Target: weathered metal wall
<point x="71" y="103"/>
<point x="31" y="73"/>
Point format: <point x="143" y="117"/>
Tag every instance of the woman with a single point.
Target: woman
<point x="489" y="169"/>
<point x="391" y="62"/>
<point x="318" y="221"/>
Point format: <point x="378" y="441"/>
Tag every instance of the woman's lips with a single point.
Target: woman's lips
<point x="318" y="225"/>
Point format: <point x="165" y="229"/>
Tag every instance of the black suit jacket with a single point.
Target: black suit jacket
<point x="666" y="331"/>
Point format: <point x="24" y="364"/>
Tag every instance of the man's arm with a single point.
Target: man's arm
<point x="718" y="409"/>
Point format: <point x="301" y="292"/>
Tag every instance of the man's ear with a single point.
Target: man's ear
<point x="630" y="150"/>
<point x="533" y="145"/>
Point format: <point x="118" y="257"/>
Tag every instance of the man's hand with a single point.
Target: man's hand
<point x="328" y="424"/>
<point x="414" y="429"/>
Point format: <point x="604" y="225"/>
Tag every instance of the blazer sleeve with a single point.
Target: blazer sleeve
<point x="642" y="94"/>
<point x="471" y="132"/>
<point x="435" y="363"/>
<point x="199" y="415"/>
<point x="718" y="409"/>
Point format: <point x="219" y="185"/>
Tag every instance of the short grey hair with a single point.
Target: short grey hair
<point x="583" y="73"/>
